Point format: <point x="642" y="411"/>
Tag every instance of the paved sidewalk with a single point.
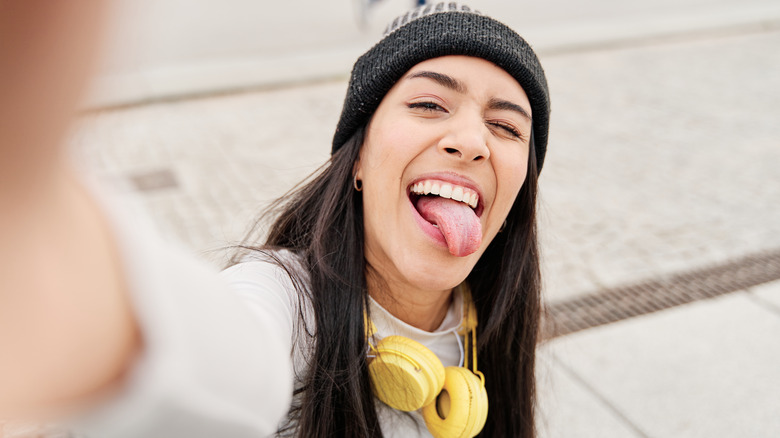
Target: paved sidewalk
<point x="662" y="158"/>
<point x="707" y="369"/>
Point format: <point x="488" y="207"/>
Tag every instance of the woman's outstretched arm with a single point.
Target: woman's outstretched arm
<point x="59" y="273"/>
<point x="99" y="320"/>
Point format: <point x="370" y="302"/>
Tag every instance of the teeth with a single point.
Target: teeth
<point x="456" y="193"/>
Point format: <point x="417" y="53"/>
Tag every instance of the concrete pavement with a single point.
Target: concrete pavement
<point x="707" y="369"/>
<point x="161" y="49"/>
<point x="663" y="158"/>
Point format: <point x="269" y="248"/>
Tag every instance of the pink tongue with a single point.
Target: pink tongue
<point x="456" y="221"/>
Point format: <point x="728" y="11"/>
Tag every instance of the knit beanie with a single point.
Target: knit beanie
<point x="435" y="30"/>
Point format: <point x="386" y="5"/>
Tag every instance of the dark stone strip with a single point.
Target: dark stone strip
<point x="620" y="303"/>
<point x="154" y="180"/>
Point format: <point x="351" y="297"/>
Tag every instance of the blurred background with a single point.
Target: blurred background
<point x="660" y="196"/>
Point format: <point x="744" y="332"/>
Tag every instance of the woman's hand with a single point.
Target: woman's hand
<point x="66" y="329"/>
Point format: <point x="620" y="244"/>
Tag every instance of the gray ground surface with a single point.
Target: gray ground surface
<point x="661" y="158"/>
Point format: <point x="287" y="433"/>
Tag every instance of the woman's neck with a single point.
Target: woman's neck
<point x="424" y="310"/>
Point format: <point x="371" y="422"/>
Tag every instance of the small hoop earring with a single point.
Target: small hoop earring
<point x="500" y="230"/>
<point x="357" y="184"/>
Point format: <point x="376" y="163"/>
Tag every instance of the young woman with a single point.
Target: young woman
<point x="412" y="250"/>
<point x="432" y="184"/>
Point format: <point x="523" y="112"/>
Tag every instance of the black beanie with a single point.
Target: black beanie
<point x="438" y="30"/>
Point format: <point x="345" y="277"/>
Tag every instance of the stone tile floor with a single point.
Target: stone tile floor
<point x="706" y="369"/>
<point x="661" y="158"/>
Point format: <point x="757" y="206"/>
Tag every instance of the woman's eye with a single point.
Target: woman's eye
<point x="427" y="106"/>
<point x="509" y="129"/>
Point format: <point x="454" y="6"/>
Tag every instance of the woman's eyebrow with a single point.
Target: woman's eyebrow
<point x="442" y="79"/>
<point x="499" y="104"/>
<point x="456" y="85"/>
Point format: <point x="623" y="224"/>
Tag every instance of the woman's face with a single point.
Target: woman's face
<point x="443" y="160"/>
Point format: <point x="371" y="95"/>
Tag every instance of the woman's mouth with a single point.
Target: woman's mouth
<point x="446" y="190"/>
<point x="449" y="213"/>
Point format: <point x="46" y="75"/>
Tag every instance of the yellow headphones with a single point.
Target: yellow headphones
<point x="408" y="376"/>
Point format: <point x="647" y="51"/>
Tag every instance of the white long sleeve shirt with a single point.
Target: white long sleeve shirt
<point x="210" y="366"/>
<point x="222" y="353"/>
<point x="264" y="285"/>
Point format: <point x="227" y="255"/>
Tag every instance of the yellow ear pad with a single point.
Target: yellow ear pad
<point x="405" y="375"/>
<point x="461" y="408"/>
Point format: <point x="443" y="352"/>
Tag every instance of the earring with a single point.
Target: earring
<point x="502" y="227"/>
<point x="357" y="184"/>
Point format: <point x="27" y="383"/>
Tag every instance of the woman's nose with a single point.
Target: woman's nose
<point x="466" y="140"/>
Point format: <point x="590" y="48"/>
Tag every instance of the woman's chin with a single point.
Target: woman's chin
<point x="438" y="275"/>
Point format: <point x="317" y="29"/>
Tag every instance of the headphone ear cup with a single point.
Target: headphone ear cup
<point x="405" y="374"/>
<point x="460" y="410"/>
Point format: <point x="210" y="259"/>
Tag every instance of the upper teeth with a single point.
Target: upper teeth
<point x="446" y="190"/>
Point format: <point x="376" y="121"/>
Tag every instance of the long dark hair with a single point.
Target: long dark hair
<point x="322" y="222"/>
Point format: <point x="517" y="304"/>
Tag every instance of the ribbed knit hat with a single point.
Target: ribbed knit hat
<point x="436" y="30"/>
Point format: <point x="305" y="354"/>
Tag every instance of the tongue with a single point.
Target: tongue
<point x="456" y="221"/>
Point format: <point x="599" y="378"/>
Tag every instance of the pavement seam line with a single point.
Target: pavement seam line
<point x="601" y="397"/>
<point x="767" y="305"/>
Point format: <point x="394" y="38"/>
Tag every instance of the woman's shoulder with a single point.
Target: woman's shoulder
<point x="274" y="284"/>
<point x="272" y="281"/>
<point x="273" y="270"/>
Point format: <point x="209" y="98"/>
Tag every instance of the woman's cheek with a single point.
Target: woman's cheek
<point x="510" y="182"/>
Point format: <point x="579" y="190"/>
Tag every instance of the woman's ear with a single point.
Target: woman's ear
<point x="360" y="138"/>
<point x="357" y="169"/>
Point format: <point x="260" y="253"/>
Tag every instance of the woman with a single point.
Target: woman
<point x="448" y="98"/>
<point x="430" y="192"/>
